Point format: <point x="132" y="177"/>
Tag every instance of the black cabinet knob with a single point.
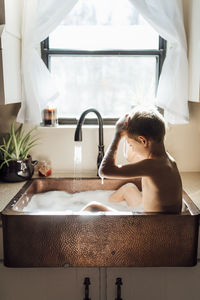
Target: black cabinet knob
<point x="118" y="284"/>
<point x="86" y="283"/>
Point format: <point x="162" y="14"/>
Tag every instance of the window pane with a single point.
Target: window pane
<point x="111" y="84"/>
<point x="104" y="25"/>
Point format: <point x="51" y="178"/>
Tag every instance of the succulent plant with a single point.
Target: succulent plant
<point x="16" y="145"/>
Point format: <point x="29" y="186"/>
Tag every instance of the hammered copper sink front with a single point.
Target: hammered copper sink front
<point x="96" y="240"/>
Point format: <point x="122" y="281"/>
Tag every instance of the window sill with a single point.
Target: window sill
<point x="73" y="126"/>
<point x="87" y="121"/>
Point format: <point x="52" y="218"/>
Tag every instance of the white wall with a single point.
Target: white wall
<point x="57" y="144"/>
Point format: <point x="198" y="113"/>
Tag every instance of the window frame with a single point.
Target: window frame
<point x="159" y="54"/>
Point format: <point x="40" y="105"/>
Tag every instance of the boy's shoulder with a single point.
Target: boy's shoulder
<point x="157" y="166"/>
<point x="148" y="166"/>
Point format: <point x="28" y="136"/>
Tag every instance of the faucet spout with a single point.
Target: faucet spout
<point x="78" y="133"/>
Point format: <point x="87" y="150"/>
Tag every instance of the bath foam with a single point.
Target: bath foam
<point x="60" y="201"/>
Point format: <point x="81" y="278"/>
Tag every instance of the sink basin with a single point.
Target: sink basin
<point x="96" y="240"/>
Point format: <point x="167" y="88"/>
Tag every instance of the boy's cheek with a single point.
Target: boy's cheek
<point x="130" y="155"/>
<point x="127" y="150"/>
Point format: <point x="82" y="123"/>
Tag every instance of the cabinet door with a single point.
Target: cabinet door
<point x="182" y="283"/>
<point x="155" y="283"/>
<point x="10" y="51"/>
<point x="10" y="70"/>
<point x="192" y="11"/>
<point x="11" y="16"/>
<point x="1" y="242"/>
<point x="47" y="283"/>
<point x="137" y="283"/>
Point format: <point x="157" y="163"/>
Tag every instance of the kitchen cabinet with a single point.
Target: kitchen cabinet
<point x="10" y="51"/>
<point x="137" y="283"/>
<point x="192" y="22"/>
<point x="10" y="76"/>
<point x="154" y="283"/>
<point x="10" y="15"/>
<point x="1" y="242"/>
<point x="47" y="283"/>
<point x="67" y="283"/>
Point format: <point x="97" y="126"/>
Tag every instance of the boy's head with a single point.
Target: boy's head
<point x="146" y="122"/>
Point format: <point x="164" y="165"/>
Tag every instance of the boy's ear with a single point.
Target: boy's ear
<point x="143" y="140"/>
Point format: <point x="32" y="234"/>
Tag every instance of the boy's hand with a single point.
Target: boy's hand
<point x="121" y="125"/>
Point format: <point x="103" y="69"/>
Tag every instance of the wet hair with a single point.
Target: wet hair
<point x="147" y="122"/>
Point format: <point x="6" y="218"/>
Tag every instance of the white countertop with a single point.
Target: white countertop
<point x="8" y="191"/>
<point x="191" y="184"/>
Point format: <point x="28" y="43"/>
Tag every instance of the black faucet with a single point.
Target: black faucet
<point x="78" y="133"/>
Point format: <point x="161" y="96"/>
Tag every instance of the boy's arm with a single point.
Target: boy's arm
<point x="108" y="162"/>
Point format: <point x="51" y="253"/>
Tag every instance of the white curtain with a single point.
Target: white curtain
<point x="39" y="19"/>
<point x="42" y="17"/>
<point x="166" y="17"/>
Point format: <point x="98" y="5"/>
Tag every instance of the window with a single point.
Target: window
<point x="104" y="55"/>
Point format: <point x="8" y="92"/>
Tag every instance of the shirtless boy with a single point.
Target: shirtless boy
<point x="144" y="131"/>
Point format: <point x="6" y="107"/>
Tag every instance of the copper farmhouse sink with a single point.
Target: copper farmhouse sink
<point x="96" y="240"/>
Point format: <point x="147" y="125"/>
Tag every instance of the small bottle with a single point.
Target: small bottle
<point x="50" y="117"/>
<point x="44" y="168"/>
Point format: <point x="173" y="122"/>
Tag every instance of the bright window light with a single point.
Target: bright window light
<point x="97" y="58"/>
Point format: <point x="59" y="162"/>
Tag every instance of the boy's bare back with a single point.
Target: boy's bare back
<point x="161" y="182"/>
<point x="162" y="190"/>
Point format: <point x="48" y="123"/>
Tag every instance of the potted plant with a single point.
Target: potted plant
<point x="15" y="161"/>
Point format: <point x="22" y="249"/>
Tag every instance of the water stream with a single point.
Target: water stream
<point x="77" y="182"/>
